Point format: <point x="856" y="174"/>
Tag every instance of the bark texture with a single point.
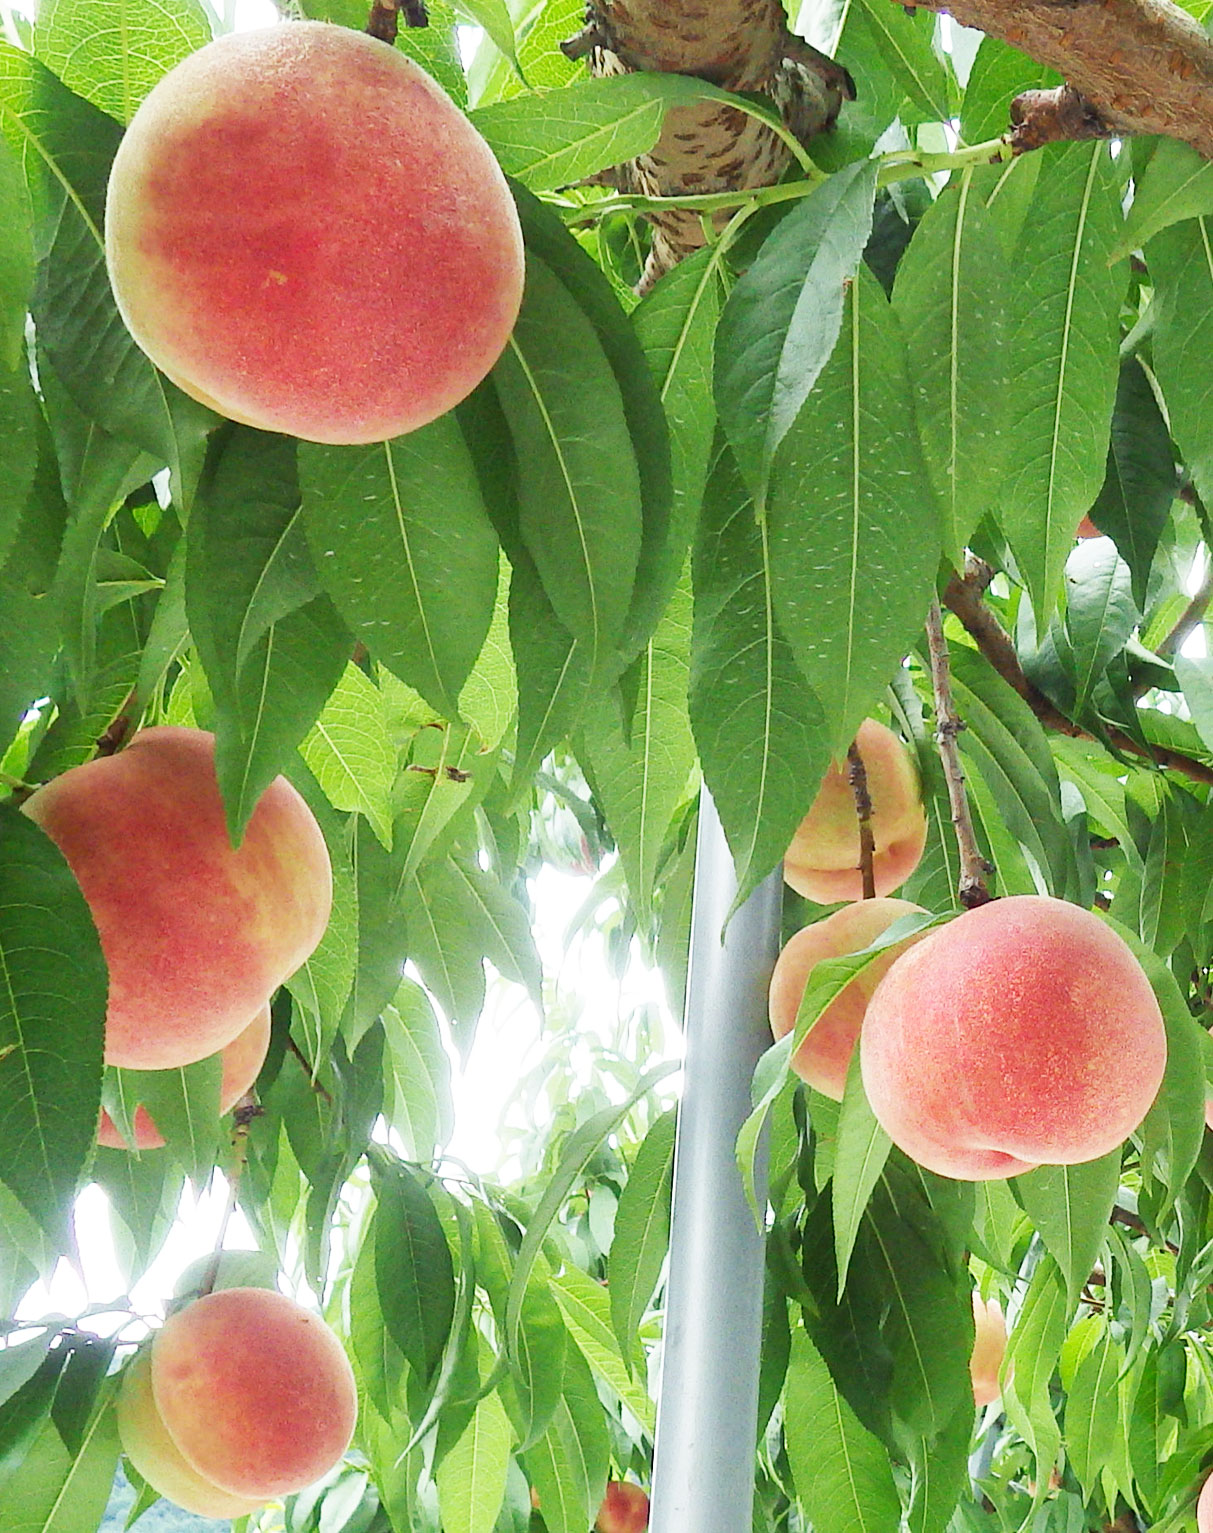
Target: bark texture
<point x="1142" y="66"/>
<point x="740" y="45"/>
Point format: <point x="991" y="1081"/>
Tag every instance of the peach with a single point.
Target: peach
<point x="824" y="1055"/>
<point x="242" y="1061"/>
<point x="1022" y="1033"/>
<point x="305" y="233"/>
<point x="989" y="1347"/>
<point x="1204" y="1508"/>
<point x="822" y="862"/>
<point x="1088" y="529"/>
<point x="196" y="934"/>
<point x="244" y="1394"/>
<point x="624" y="1509"/>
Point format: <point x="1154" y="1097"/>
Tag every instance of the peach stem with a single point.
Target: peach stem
<point x="858" y="779"/>
<point x="972" y="889"/>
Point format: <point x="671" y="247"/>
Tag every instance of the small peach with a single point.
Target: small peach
<point x="989" y="1347"/>
<point x="624" y="1509"/>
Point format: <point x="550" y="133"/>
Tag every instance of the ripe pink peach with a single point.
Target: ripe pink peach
<point x="252" y="1392"/>
<point x="242" y="1061"/>
<point x="1204" y="1508"/>
<point x="196" y="934"/>
<point x="1022" y="1033"/>
<point x="825" y="1054"/>
<point x="624" y="1509"/>
<point x="822" y="862"/>
<point x="304" y="232"/>
<point x="989" y="1348"/>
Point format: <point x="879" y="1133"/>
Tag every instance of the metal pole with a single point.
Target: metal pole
<point x="707" y="1414"/>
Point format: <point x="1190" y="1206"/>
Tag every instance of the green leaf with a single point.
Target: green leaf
<point x="322" y="983"/>
<point x="854" y="528"/>
<point x="759" y="727"/>
<point x="380" y="1362"/>
<point x="642" y="1232"/>
<point x="641" y="773"/>
<point x="405" y="549"/>
<point x="1181" y="269"/>
<point x="1063" y="306"/>
<point x="52" y="1023"/>
<point x="420" y="1107"/>
<point x="58" y="1490"/>
<point x="861" y="1150"/>
<point x="1070" y="1206"/>
<point x="568" y="1465"/>
<point x="19" y="432"/>
<point x="271" y="647"/>
<point x="489" y="699"/>
<point x="998" y="75"/>
<point x="783" y="318"/>
<point x="537" y="1355"/>
<point x="950" y="298"/>
<point x="471" y="1478"/>
<point x="502" y="924"/>
<point x="586" y="1307"/>
<point x="1177" y="184"/>
<point x="842" y="1473"/>
<point x="1100" y="612"/>
<point x="1092" y="1411"/>
<point x="1032" y="1349"/>
<point x="413" y="1269"/>
<point x="445" y="947"/>
<point x="1139" y="485"/>
<point x="555" y="672"/>
<point x="66" y="146"/>
<point x="182" y="1103"/>
<point x="555" y="138"/>
<point x="351" y="752"/>
<point x="580" y="508"/>
<point x="112" y="52"/>
<point x="16" y="256"/>
<point x="905" y="43"/>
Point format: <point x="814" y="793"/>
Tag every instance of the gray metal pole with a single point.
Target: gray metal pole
<point x="707" y="1414"/>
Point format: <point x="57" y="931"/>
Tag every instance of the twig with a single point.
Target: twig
<point x="109" y="743"/>
<point x="246" y="1110"/>
<point x="858" y="778"/>
<point x="963" y="597"/>
<point x="1191" y="618"/>
<point x="972" y="890"/>
<point x="318" y="1086"/>
<point x="384" y="20"/>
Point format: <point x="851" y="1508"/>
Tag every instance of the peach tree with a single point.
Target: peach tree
<point x="864" y="368"/>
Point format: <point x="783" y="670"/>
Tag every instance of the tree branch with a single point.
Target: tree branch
<point x="1140" y="66"/>
<point x="973" y="889"/>
<point x="963" y="597"/>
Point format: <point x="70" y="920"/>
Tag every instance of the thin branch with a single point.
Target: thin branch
<point x="384" y="19"/>
<point x="318" y="1086"/>
<point x="963" y="597"/>
<point x="858" y="778"/>
<point x="1142" y="66"/>
<point x="245" y="1111"/>
<point x="973" y="888"/>
<point x="1191" y="618"/>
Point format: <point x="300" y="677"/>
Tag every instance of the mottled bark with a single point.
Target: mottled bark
<point x="740" y="45"/>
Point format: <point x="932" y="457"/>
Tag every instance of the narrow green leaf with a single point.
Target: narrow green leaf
<point x="19" y="432"/>
<point x="905" y="43"/>
<point x="568" y="1465"/>
<point x="586" y="1307"/>
<point x="1177" y="184"/>
<point x="1032" y="1349"/>
<point x="1063" y="306"/>
<point x="1100" y="612"/>
<point x="580" y="506"/>
<point x="641" y="775"/>
<point x="16" y="256"/>
<point x="642" y="1232"/>
<point x="854" y="527"/>
<point x="950" y="298"/>
<point x="1092" y="1408"/>
<point x="404" y="547"/>
<point x="1181" y="269"/>
<point x="842" y="1473"/>
<point x="112" y="52"/>
<point x="860" y="1153"/>
<point x="52" y="1023"/>
<point x="759" y="727"/>
<point x="351" y="753"/>
<point x="1070" y="1205"/>
<point x="414" y="1272"/>
<point x="782" y="320"/>
<point x="420" y="1107"/>
<point x="471" y="1478"/>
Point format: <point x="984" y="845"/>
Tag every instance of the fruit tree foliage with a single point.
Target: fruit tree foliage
<point x="706" y="526"/>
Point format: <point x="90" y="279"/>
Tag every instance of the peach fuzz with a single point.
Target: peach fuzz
<point x="824" y="1055"/>
<point x="989" y="1348"/>
<point x="624" y="1509"/>
<point x="242" y="1061"/>
<point x="1204" y="1508"/>
<point x="155" y="1455"/>
<point x="822" y="863"/>
<point x="1022" y="1033"/>
<point x="196" y="934"/>
<point x="254" y="1391"/>
<point x="304" y="232"/>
